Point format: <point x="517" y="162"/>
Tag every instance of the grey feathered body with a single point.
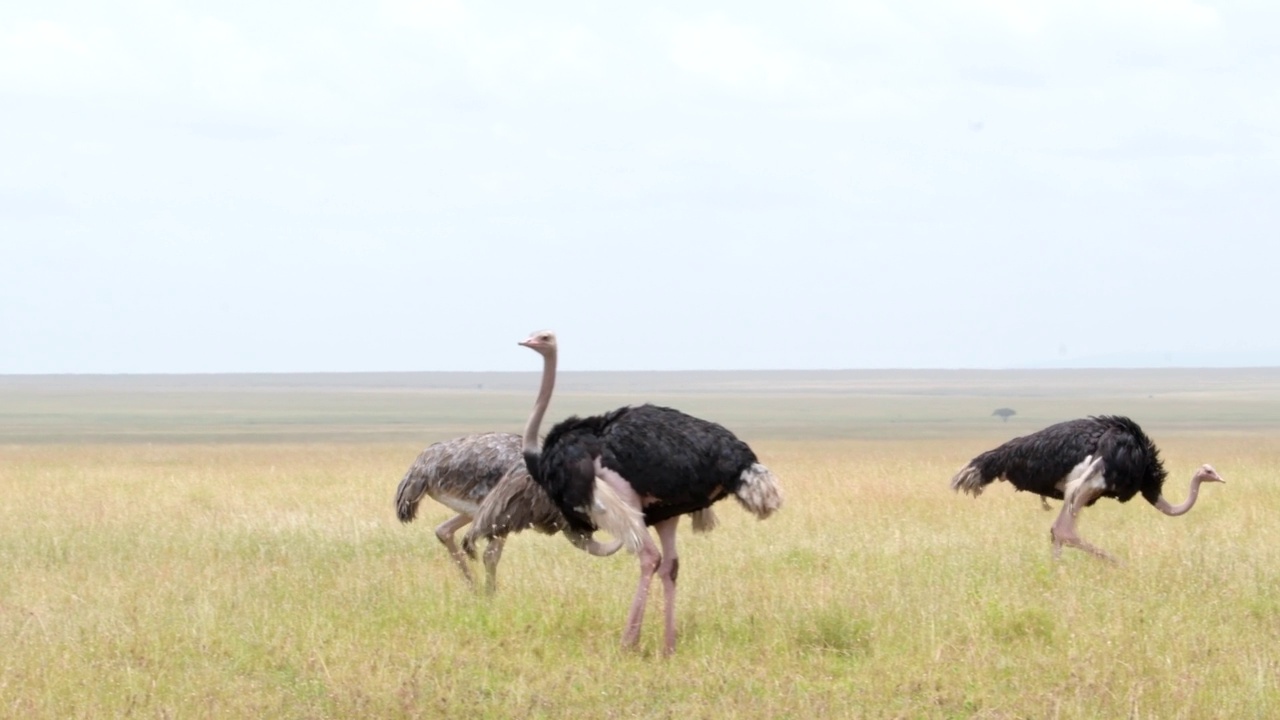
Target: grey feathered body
<point x="482" y="476"/>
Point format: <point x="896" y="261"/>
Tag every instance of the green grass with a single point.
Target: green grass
<point x="198" y="576"/>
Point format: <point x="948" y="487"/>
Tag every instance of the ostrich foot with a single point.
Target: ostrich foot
<point x="1070" y="539"/>
<point x="631" y="639"/>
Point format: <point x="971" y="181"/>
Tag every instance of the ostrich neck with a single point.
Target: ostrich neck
<point x="540" y="405"/>
<point x="1175" y="510"/>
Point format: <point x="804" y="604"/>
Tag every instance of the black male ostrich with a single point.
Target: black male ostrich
<point x="1079" y="461"/>
<point x="638" y="466"/>
<point x="484" y="477"/>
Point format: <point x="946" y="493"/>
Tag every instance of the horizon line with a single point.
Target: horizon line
<point x="1023" y="368"/>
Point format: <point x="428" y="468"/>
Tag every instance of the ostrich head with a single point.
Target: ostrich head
<point x="1206" y="473"/>
<point x="542" y="342"/>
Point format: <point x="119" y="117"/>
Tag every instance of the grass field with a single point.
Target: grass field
<point x="226" y="547"/>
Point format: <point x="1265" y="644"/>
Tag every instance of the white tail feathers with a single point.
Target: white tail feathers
<point x="613" y="515"/>
<point x="759" y="492"/>
<point x="969" y="480"/>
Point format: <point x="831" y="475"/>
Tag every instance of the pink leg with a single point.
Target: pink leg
<point x="649" y="558"/>
<point x="668" y="568"/>
<point x="1064" y="532"/>
<point x="445" y="533"/>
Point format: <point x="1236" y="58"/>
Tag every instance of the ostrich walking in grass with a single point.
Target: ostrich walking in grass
<point x="484" y="477"/>
<point x="1079" y="461"/>
<point x="638" y="466"/>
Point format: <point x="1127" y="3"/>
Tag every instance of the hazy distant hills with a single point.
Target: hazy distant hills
<point x="1167" y="359"/>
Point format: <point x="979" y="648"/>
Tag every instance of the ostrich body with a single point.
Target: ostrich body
<point x="639" y="466"/>
<point x="483" y="477"/>
<point x="1079" y="461"/>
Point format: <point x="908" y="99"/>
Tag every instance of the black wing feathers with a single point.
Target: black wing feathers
<point x="1040" y="461"/>
<point x="676" y="463"/>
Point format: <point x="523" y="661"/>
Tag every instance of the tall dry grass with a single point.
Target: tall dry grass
<point x="249" y="580"/>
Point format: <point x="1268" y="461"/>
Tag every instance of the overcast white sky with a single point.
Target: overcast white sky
<point x="415" y="185"/>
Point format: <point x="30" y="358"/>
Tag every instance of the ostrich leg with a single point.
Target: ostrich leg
<point x="492" y="554"/>
<point x="668" y="568"/>
<point x="648" y="552"/>
<point x="1079" y="494"/>
<point x="650" y="558"/>
<point x="445" y="533"/>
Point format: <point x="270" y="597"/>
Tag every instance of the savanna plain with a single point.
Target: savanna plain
<point x="226" y="546"/>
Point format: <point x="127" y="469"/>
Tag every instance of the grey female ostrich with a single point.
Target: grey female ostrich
<point x="1079" y="461"/>
<point x="638" y="466"/>
<point x="483" y="477"/>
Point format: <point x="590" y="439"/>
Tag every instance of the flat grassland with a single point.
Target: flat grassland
<point x="225" y="546"/>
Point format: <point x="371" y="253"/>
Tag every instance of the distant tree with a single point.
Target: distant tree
<point x="1005" y="413"/>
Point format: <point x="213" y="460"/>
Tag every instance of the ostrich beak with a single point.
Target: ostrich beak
<point x="539" y="340"/>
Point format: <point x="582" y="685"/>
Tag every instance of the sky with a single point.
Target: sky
<point x="195" y="187"/>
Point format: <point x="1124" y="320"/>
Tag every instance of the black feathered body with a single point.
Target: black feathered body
<point x="675" y="462"/>
<point x="1040" y="462"/>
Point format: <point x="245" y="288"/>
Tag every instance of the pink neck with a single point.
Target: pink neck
<point x="1175" y="510"/>
<point x="540" y="405"/>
